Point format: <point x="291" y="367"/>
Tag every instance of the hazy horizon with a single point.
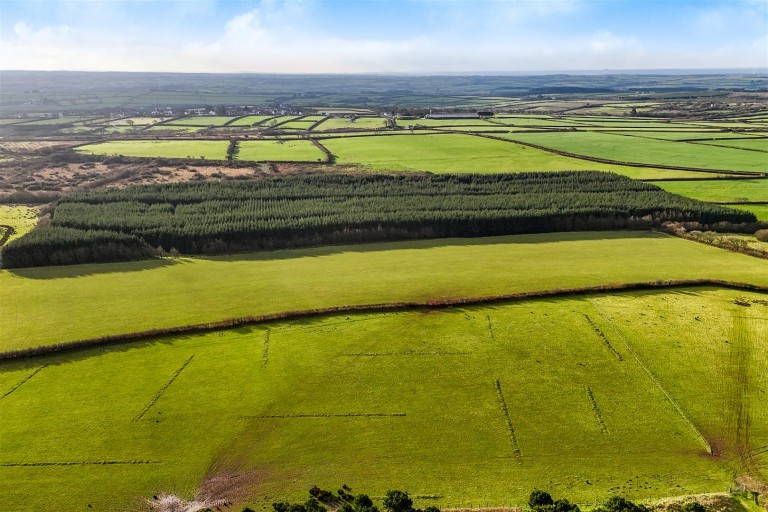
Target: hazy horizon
<point x="374" y="37"/>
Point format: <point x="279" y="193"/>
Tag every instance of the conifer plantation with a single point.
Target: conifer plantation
<point x="309" y="210"/>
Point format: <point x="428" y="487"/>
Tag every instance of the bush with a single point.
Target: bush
<point x="695" y="507"/>
<point x="398" y="501"/>
<point x="539" y="498"/>
<point x="762" y="235"/>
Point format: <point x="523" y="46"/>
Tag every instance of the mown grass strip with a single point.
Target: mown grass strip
<point x="596" y="410"/>
<point x="322" y="415"/>
<point x="604" y="338"/>
<point x="23" y="381"/>
<point x="230" y="323"/>
<point x="507" y="419"/>
<point x="163" y="389"/>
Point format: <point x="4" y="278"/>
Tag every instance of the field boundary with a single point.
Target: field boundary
<point x="618" y="162"/>
<point x="596" y="410"/>
<point x="7" y="233"/>
<point x="228" y="323"/>
<point x="163" y="389"/>
<point x="326" y="415"/>
<point x="78" y="463"/>
<point x="507" y="419"/>
<point x="23" y="381"/>
<point x="265" y="351"/>
<point x="604" y="338"/>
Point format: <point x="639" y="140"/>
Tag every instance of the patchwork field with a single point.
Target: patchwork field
<point x="283" y="150"/>
<point x="462" y="407"/>
<point x="647" y="151"/>
<point x="359" y="123"/>
<point x="733" y="191"/>
<point x="456" y="153"/>
<point x="102" y="299"/>
<point x="201" y="121"/>
<point x="206" y="149"/>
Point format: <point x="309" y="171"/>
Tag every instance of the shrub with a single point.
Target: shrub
<point x="398" y="501"/>
<point x="762" y="235"/>
<point x="539" y="498"/>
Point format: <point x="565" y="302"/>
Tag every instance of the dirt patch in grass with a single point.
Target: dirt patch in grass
<point x="218" y="492"/>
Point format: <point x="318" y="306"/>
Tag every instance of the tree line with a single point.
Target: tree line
<point x="311" y="210"/>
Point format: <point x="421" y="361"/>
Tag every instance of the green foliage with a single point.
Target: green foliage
<point x="620" y="504"/>
<point x="693" y="507"/>
<point x="296" y="211"/>
<point x="398" y="501"/>
<point x="539" y="498"/>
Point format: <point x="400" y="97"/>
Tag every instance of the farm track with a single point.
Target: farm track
<point x="229" y="323"/>
<point x="605" y="339"/>
<point x="79" y="463"/>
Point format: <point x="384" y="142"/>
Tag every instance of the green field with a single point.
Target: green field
<point x="760" y="210"/>
<point x="276" y="151"/>
<point x="206" y="149"/>
<point x="456" y="153"/>
<point x="647" y="151"/>
<point x="596" y="405"/>
<point x="733" y="191"/>
<point x="21" y="218"/>
<point x="201" y="121"/>
<point x="360" y="123"/>
<point x="754" y="144"/>
<point x="249" y="120"/>
<point x="102" y="299"/>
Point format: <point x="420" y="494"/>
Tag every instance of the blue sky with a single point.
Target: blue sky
<point x="414" y="36"/>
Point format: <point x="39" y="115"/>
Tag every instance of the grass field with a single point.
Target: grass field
<point x="208" y="149"/>
<point x="272" y="150"/>
<point x="760" y="210"/>
<point x="21" y="218"/>
<point x="595" y="405"/>
<point x="360" y="123"/>
<point x="127" y="297"/>
<point x="466" y="153"/>
<point x="249" y="120"/>
<point x="647" y="151"/>
<point x="754" y="144"/>
<point x="201" y="121"/>
<point x="720" y="190"/>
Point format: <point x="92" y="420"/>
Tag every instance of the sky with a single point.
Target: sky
<point x="382" y="36"/>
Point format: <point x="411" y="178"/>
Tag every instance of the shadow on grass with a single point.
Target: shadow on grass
<point x="72" y="271"/>
<point x="530" y="239"/>
<point x="92" y="269"/>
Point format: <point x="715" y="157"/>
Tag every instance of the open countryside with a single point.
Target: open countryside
<point x="278" y="256"/>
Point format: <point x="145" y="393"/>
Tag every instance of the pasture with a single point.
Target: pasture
<point x="249" y="120"/>
<point x="461" y="406"/>
<point x="198" y="149"/>
<point x="201" y="121"/>
<point x="731" y="191"/>
<point x="647" y="151"/>
<point x="456" y="153"/>
<point x="358" y="123"/>
<point x="21" y="218"/>
<point x="279" y="150"/>
<point x="105" y="299"/>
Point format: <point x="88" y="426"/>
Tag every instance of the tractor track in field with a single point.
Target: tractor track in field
<point x="738" y="400"/>
<point x="507" y="419"/>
